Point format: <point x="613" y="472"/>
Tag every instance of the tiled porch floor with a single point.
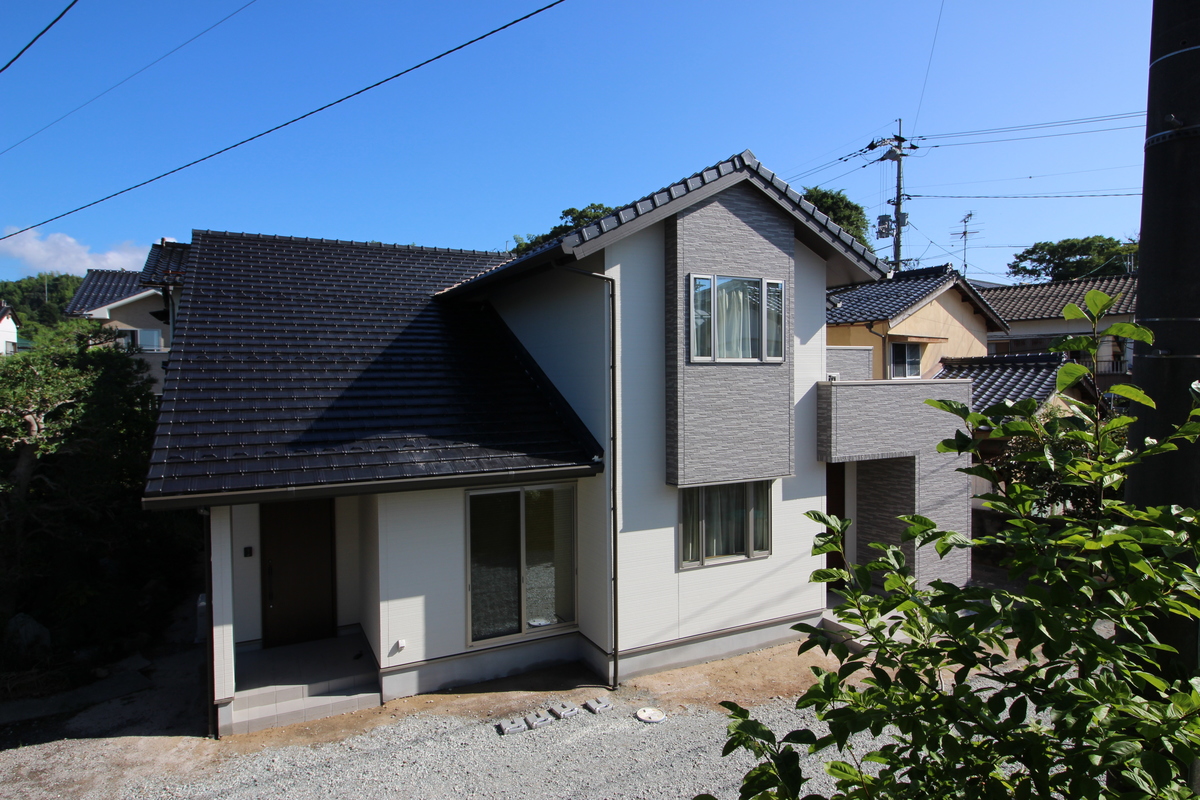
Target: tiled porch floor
<point x="300" y="682"/>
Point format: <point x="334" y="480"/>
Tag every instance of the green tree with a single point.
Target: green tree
<point x="843" y="211"/>
<point x="40" y="299"/>
<point x="572" y="219"/>
<point x="76" y="551"/>
<point x="1051" y="690"/>
<point x="1073" y="258"/>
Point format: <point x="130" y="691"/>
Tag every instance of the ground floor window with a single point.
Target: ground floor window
<point x="724" y="521"/>
<point x="522" y="554"/>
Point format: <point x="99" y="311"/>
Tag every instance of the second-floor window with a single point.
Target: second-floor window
<point x="736" y="319"/>
<point x="906" y="360"/>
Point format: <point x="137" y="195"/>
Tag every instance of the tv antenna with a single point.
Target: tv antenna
<point x="965" y="234"/>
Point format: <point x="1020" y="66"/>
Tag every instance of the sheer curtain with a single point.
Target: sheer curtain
<point x="739" y="326"/>
<point x="725" y="520"/>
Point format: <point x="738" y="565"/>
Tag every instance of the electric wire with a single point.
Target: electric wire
<point x="1037" y="125"/>
<point x="130" y="77"/>
<point x="61" y="14"/>
<point x="1029" y="138"/>
<point x="1025" y="177"/>
<point x="932" y="48"/>
<point x="289" y="122"/>
<point x="1017" y="196"/>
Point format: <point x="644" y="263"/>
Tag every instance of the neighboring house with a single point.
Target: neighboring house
<point x="1033" y="312"/>
<point x="137" y="313"/>
<point x="910" y="322"/>
<point x="471" y="465"/>
<point x="8" y="329"/>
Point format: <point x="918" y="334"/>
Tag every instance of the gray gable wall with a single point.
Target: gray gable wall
<point x="728" y="422"/>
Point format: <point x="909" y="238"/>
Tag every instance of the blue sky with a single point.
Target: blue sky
<point x="587" y="102"/>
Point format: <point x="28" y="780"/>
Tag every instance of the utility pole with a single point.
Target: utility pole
<point x="893" y="226"/>
<point x="964" y="234"/>
<point x="1168" y="301"/>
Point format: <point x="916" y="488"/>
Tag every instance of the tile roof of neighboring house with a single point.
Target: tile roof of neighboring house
<point x="9" y="311"/>
<point x="676" y="197"/>
<point x="315" y="363"/>
<point x="101" y="287"/>
<point x="166" y="264"/>
<point x="1047" y="300"/>
<point x="904" y="292"/>
<point x="1006" y="377"/>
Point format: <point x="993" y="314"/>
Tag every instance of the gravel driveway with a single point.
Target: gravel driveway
<point x="445" y="745"/>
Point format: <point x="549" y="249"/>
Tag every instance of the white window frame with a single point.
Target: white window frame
<point x="523" y="634"/>
<point x="892" y="360"/>
<point x="714" y="325"/>
<point x="750" y="552"/>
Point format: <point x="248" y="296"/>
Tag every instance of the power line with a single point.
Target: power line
<point x="1019" y="196"/>
<point x="932" y="47"/>
<point x="375" y="85"/>
<point x="1026" y="177"/>
<point x="1027" y="138"/>
<point x="48" y="27"/>
<point x="1037" y="125"/>
<point x="134" y="75"/>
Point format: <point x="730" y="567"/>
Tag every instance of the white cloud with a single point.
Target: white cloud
<point x="58" y="252"/>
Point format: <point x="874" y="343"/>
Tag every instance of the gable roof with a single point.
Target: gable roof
<point x="8" y="311"/>
<point x="373" y="387"/>
<point x="1006" y="377"/>
<point x="896" y="297"/>
<point x="1047" y="300"/>
<point x="813" y="227"/>
<point x="166" y="264"/>
<point x="103" y="287"/>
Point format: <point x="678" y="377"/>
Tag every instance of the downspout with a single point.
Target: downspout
<point x="612" y="449"/>
<point x="887" y="361"/>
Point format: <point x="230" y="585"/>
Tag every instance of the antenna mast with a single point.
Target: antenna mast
<point x="964" y="234"/>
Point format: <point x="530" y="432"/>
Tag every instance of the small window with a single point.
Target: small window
<point x="725" y="521"/>
<point x="906" y="360"/>
<point x="737" y="319"/>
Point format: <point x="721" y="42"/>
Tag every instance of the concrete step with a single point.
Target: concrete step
<point x="248" y="719"/>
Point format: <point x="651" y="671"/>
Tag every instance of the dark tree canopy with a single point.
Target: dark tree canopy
<point x="1073" y="258"/>
<point x="843" y="211"/>
<point x="40" y="298"/>
<point x="572" y="218"/>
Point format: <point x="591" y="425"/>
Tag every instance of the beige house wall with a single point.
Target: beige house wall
<point x="859" y="336"/>
<point x="951" y="318"/>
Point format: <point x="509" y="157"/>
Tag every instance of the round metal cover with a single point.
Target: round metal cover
<point x="650" y="715"/>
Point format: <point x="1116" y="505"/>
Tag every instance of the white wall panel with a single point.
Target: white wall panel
<point x="221" y="602"/>
<point x="247" y="573"/>
<point x="369" y="561"/>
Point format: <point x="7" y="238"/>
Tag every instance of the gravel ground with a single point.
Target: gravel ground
<point x="612" y="756"/>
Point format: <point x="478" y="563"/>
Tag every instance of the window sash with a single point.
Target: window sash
<point x="737" y="319"/>
<point x="906" y="360"/>
<point x="724" y="522"/>
<point x="520" y="561"/>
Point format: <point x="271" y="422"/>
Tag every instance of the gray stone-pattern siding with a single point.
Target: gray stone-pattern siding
<point x="728" y="422"/>
<point x="849" y="363"/>
<point x="886" y="427"/>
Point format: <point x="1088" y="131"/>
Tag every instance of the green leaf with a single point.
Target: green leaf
<point x="1129" y="330"/>
<point x="1072" y="311"/>
<point x="828" y="520"/>
<point x="1133" y="393"/>
<point x="1098" y="302"/>
<point x="1069" y="375"/>
<point x="828" y="575"/>
<point x="842" y="771"/>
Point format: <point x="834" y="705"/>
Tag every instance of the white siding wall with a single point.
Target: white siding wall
<point x="422" y="569"/>
<point x="561" y="318"/>
<point x="347" y="560"/>
<point x="8" y="333"/>
<point x="369" y="560"/>
<point x="660" y="602"/>
<point x="247" y="574"/>
<point x="221" y="602"/>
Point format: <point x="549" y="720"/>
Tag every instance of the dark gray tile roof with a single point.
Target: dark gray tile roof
<point x="1006" y="377"/>
<point x="684" y="193"/>
<point x="307" y="362"/>
<point x="1047" y="300"/>
<point x="103" y="286"/>
<point x="904" y="291"/>
<point x="9" y="311"/>
<point x="167" y="264"/>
